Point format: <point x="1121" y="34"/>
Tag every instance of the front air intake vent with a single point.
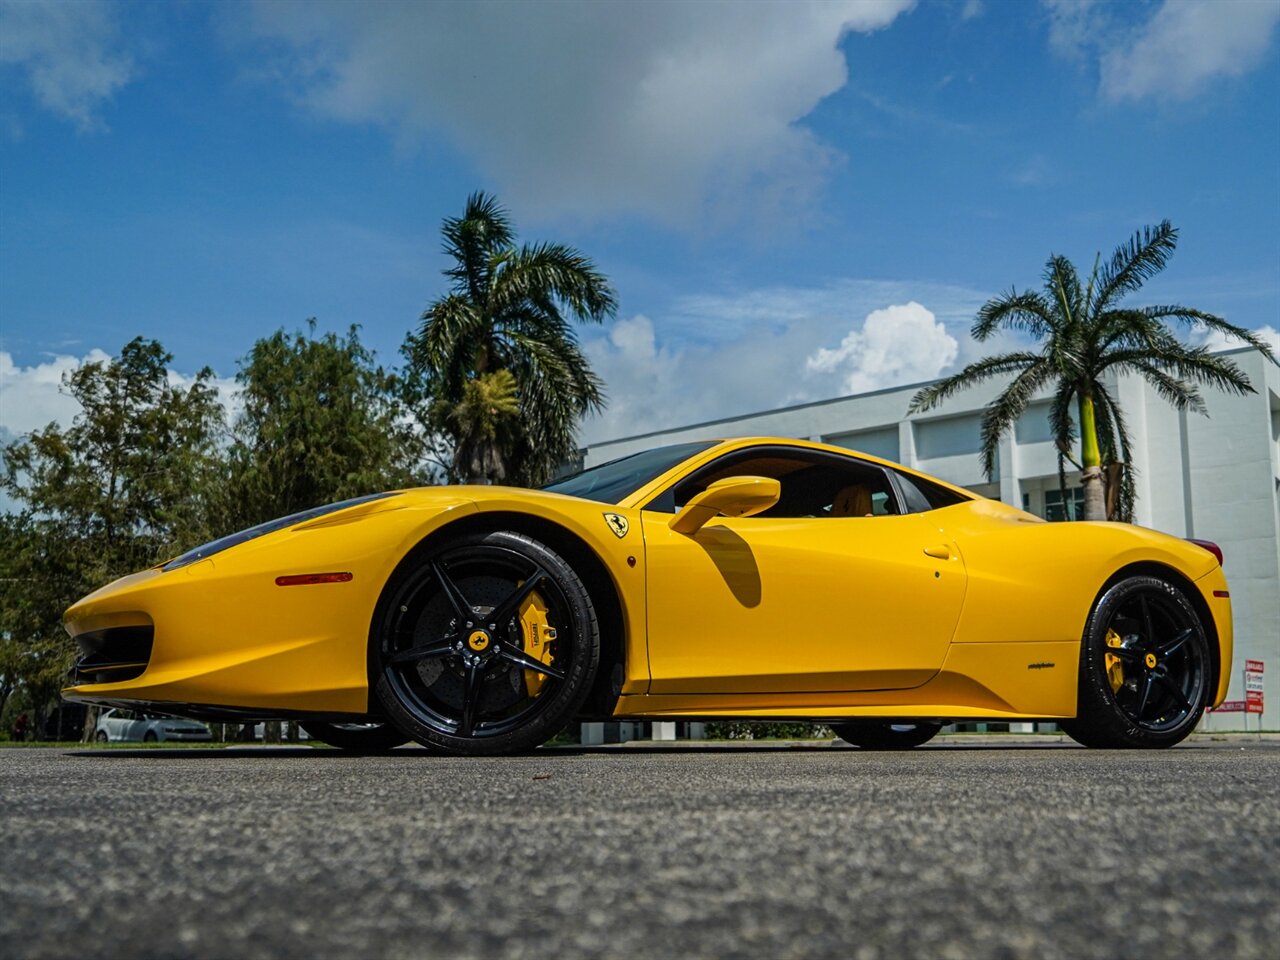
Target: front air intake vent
<point x="117" y="653"/>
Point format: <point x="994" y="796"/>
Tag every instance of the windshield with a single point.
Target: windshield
<point x="613" y="481"/>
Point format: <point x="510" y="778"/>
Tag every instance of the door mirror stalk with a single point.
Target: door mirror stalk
<point x="730" y="497"/>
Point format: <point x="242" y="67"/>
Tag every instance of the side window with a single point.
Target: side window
<point x="813" y="484"/>
<point x="920" y="496"/>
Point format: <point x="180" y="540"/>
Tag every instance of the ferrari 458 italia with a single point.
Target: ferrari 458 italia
<point x="749" y="579"/>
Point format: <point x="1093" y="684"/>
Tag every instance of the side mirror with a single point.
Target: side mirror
<point x="730" y="497"/>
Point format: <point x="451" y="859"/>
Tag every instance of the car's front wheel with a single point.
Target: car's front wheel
<point x="356" y="737"/>
<point x="101" y="736"/>
<point x="150" y="737"/>
<point x="487" y="644"/>
<point x="1144" y="668"/>
<point x="887" y="735"/>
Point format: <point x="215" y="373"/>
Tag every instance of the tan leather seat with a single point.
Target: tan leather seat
<point x="852" y="501"/>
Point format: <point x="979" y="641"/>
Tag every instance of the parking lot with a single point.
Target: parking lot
<point x="966" y="848"/>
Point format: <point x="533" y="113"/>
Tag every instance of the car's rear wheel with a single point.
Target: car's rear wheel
<point x="1144" y="668"/>
<point x="885" y="734"/>
<point x="487" y="644"/>
<point x="356" y="737"/>
<point x="101" y="736"/>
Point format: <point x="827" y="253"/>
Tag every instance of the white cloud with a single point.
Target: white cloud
<point x="586" y="109"/>
<point x="1186" y="44"/>
<point x="775" y="357"/>
<point x="1075" y="26"/>
<point x="1174" y="54"/>
<point x="722" y="317"/>
<point x="32" y="397"/>
<point x="900" y="344"/>
<point x="70" y="53"/>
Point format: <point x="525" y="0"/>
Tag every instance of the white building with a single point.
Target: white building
<point x="1216" y="478"/>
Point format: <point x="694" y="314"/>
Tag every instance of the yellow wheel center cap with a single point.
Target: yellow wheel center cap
<point x="478" y="641"/>
<point x="1150" y="661"/>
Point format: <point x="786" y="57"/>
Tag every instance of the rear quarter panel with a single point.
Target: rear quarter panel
<point x="1031" y="580"/>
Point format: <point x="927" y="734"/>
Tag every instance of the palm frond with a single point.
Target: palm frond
<point x="1062" y="423"/>
<point x="1003" y="412"/>
<point x="1135" y="262"/>
<point x="1028" y="312"/>
<point x="1198" y="318"/>
<point x="448" y="326"/>
<point x="1134" y="330"/>
<point x="470" y="240"/>
<point x="1062" y="284"/>
<point x="1174" y="391"/>
<point x="557" y="272"/>
<point x="1192" y="365"/>
<point x="975" y="373"/>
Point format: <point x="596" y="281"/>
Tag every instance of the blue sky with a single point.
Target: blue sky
<point x="794" y="201"/>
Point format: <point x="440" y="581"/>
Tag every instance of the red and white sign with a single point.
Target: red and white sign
<point x="1253" y="686"/>
<point x="1230" y="706"/>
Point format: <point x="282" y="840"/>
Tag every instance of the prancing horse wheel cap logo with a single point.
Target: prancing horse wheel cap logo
<point x="478" y="641"/>
<point x="617" y="523"/>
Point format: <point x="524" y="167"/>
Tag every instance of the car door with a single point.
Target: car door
<point x="108" y="724"/>
<point x="799" y="599"/>
<point x="136" y="726"/>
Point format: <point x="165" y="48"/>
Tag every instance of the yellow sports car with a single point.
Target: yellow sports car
<point x="745" y="579"/>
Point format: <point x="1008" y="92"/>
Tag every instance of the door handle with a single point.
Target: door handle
<point x="942" y="552"/>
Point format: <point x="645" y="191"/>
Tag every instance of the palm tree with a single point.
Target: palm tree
<point x="1083" y="331"/>
<point x="509" y="309"/>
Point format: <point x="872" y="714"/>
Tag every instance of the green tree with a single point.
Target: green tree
<point x="320" y="422"/>
<point x="120" y="489"/>
<point x="1083" y="331"/>
<point x="509" y="309"/>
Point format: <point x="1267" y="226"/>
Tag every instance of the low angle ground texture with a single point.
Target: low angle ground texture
<point x="958" y="849"/>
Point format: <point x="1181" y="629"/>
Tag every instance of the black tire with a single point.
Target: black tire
<point x="1154" y="689"/>
<point x="887" y="734"/>
<point x="356" y="737"/>
<point x="150" y="737"/>
<point x="447" y="650"/>
<point x="101" y="736"/>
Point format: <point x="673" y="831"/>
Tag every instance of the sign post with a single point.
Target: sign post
<point x="1253" y="689"/>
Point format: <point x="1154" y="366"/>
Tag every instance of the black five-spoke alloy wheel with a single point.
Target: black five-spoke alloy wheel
<point x="1144" y="668"/>
<point x="486" y="645"/>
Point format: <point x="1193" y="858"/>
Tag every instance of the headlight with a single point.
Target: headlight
<point x="262" y="529"/>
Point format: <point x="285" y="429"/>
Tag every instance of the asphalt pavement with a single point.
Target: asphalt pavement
<point x="963" y="849"/>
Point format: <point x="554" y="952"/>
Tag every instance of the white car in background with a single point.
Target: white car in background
<point x="132" y="725"/>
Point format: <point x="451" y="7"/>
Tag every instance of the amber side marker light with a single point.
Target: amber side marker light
<point x="302" y="579"/>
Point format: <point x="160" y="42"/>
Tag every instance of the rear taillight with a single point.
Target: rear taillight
<point x="1210" y="546"/>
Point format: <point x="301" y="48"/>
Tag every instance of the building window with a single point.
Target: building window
<point x="1055" y="508"/>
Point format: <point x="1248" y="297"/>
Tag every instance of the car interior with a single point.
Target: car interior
<point x="814" y="484"/>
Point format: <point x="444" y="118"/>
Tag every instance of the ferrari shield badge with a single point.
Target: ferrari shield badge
<point x="618" y="524"/>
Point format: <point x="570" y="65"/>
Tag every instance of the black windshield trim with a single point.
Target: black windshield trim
<point x="607" y="489"/>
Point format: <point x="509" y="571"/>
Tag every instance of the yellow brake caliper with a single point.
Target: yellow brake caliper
<point x="538" y="639"/>
<point x="1115" y="667"/>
